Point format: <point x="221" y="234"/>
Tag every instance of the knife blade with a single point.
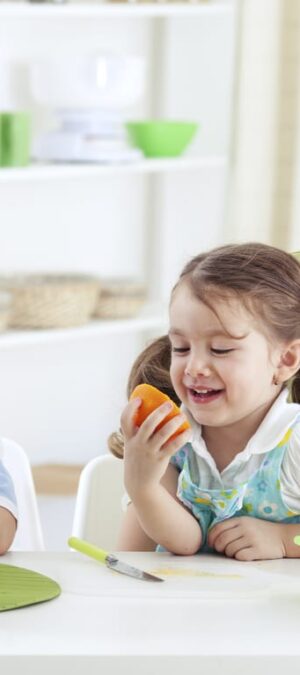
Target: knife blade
<point x="110" y="560"/>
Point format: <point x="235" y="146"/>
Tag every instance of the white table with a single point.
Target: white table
<point x="246" y="622"/>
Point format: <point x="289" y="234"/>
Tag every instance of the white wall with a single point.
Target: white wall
<point x="264" y="194"/>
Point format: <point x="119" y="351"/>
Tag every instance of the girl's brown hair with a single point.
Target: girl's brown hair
<point x="152" y="366"/>
<point x="265" y="278"/>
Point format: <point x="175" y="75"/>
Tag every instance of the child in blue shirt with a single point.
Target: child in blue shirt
<point x="8" y="510"/>
<point x="232" y="483"/>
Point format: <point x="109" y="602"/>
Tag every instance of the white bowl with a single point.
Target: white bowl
<point x="101" y="80"/>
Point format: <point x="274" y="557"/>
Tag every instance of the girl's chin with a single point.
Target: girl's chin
<point x="206" y="419"/>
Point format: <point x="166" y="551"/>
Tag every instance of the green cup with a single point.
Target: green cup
<point x="15" y="138"/>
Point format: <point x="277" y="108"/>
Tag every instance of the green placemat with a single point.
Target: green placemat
<point x="20" y="587"/>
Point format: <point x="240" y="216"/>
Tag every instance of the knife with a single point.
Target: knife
<point x="109" y="560"/>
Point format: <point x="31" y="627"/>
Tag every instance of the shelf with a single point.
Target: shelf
<point x="114" y="9"/>
<point x="59" y="171"/>
<point x="94" y="329"/>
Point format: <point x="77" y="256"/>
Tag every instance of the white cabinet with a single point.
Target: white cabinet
<point x="62" y="391"/>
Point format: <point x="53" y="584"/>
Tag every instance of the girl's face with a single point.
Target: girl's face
<point x="221" y="379"/>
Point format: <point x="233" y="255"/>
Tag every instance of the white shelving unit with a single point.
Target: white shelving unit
<point x="62" y="390"/>
<point x="152" y="166"/>
<point x="22" y="10"/>
<point x="94" y="329"/>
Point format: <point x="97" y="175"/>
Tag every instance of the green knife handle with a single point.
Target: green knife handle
<point x="88" y="549"/>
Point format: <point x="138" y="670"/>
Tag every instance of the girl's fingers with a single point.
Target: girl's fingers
<point x="236" y="547"/>
<point x="168" y="429"/>
<point x="219" y="530"/>
<point x="148" y="430"/>
<point x="172" y="446"/>
<point x="226" y="540"/>
<point x="127" y="418"/>
<point x="150" y="424"/>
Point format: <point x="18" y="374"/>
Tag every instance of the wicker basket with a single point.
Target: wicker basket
<point x="5" y="310"/>
<point x="51" y="300"/>
<point x="119" y="299"/>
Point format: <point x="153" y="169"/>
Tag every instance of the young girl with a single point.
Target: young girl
<point x="233" y="483"/>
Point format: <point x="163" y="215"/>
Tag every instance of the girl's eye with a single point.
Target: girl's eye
<point x="179" y="350"/>
<point x="221" y="351"/>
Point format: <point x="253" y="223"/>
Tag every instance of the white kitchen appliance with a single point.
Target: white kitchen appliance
<point x="88" y="96"/>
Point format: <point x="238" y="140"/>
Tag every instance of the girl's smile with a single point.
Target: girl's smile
<point x="203" y="396"/>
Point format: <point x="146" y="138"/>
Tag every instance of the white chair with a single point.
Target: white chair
<point x="98" y="508"/>
<point x="29" y="536"/>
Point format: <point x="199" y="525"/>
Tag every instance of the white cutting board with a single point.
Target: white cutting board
<point x="184" y="577"/>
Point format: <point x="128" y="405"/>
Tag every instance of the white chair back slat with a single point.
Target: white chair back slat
<point x="98" y="509"/>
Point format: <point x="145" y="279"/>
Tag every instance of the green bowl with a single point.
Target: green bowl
<point x="161" y="138"/>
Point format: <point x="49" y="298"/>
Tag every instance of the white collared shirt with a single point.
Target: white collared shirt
<point x="271" y="431"/>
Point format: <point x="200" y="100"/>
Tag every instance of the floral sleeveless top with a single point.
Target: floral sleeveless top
<point x="259" y="497"/>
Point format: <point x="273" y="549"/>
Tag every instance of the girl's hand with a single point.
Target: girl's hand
<point x="247" y="538"/>
<point x="147" y="451"/>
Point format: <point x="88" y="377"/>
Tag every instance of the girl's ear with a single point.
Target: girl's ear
<point x="290" y="361"/>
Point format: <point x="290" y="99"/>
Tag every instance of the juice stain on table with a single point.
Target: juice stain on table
<point x="185" y="572"/>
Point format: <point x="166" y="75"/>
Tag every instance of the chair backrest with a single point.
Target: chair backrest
<point x="29" y="536"/>
<point x="98" y="508"/>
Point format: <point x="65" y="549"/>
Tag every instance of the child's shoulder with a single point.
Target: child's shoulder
<point x="290" y="470"/>
<point x="282" y="422"/>
<point x="291" y="440"/>
<point x="295" y="428"/>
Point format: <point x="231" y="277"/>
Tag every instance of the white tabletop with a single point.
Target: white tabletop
<point x="210" y="611"/>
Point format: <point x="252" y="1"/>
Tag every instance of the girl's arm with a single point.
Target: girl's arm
<point x="152" y="484"/>
<point x="132" y="536"/>
<point x="165" y="520"/>
<point x="8" y="527"/>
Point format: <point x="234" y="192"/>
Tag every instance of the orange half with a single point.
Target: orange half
<point x="152" y="398"/>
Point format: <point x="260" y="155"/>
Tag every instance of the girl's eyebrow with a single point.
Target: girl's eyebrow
<point x="175" y="331"/>
<point x="211" y="332"/>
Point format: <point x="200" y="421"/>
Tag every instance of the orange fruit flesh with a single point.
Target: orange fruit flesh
<point x="152" y="398"/>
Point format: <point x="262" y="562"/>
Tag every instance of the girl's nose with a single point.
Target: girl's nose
<point x="197" y="366"/>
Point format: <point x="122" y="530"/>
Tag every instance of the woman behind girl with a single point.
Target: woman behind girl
<point x="232" y="484"/>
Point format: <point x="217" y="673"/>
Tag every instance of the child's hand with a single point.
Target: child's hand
<point x="247" y="538"/>
<point x="147" y="450"/>
<point x="152" y="398"/>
